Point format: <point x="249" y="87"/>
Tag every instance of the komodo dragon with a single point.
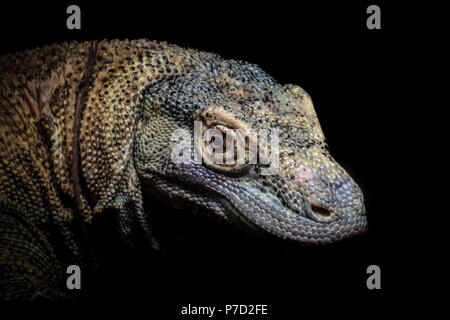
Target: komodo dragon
<point x="86" y="129"/>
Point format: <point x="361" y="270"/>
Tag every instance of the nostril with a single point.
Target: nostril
<point x="321" y="211"/>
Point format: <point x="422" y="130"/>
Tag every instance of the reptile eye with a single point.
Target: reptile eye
<point x="226" y="143"/>
<point x="223" y="149"/>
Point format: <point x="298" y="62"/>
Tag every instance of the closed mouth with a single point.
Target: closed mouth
<point x="256" y="210"/>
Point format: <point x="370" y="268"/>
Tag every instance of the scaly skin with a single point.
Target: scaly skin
<point x="86" y="128"/>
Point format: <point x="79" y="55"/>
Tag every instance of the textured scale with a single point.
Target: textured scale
<point x="137" y="93"/>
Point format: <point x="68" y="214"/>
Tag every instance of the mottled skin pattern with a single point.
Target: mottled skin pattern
<point x="139" y="93"/>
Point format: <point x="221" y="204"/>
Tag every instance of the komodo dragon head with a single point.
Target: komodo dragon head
<point x="302" y="194"/>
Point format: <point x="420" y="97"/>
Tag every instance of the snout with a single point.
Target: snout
<point x="350" y="196"/>
<point x="329" y="200"/>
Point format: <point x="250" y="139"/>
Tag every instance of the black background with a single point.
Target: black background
<point x="353" y="77"/>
